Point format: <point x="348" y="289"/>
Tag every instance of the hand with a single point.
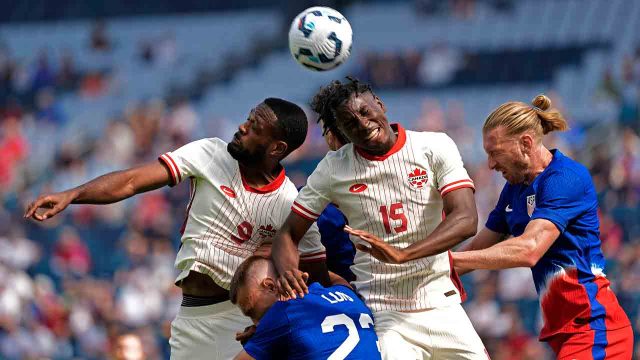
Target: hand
<point x="379" y="249"/>
<point x="54" y="202"/>
<point x="292" y="283"/>
<point x="245" y="335"/>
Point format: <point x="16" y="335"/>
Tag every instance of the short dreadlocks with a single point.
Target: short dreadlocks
<point x="330" y="97"/>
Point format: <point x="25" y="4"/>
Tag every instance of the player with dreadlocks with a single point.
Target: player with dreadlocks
<point x="394" y="186"/>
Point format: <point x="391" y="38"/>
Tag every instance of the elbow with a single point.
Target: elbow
<point x="468" y="225"/>
<point x="529" y="256"/>
<point x="529" y="261"/>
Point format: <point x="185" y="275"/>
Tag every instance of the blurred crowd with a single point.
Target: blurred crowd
<point x="99" y="279"/>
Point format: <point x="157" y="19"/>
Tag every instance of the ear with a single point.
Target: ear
<point x="278" y="149"/>
<point x="377" y="99"/>
<point x="268" y="284"/>
<point x="527" y="142"/>
<point x="331" y="140"/>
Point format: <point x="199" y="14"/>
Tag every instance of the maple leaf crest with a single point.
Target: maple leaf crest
<point x="418" y="178"/>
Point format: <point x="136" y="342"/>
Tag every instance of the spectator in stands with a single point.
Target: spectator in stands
<point x="71" y="256"/>
<point x="43" y="75"/>
<point x="100" y="41"/>
<point x="129" y="347"/>
<point x="14" y="148"/>
<point x="48" y="110"/>
<point x="67" y="77"/>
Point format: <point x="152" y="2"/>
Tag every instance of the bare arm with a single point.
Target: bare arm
<point x="485" y="238"/>
<point x="317" y="271"/>
<point x="460" y="223"/>
<point x="522" y="251"/>
<point x="243" y="356"/>
<point x="105" y="189"/>
<point x="338" y="280"/>
<point x="284" y="253"/>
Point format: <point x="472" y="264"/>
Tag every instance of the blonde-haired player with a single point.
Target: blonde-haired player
<point x="240" y="196"/>
<point x="550" y="208"/>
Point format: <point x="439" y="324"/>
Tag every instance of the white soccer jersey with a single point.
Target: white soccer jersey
<point x="228" y="219"/>
<point x="398" y="197"/>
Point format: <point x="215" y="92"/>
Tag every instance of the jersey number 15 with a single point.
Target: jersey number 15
<point x="394" y="212"/>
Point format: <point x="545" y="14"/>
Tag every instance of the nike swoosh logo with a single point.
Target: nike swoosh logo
<point x="508" y="208"/>
<point x="357" y="188"/>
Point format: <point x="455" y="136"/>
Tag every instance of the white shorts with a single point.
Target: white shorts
<point x="207" y="332"/>
<point x="441" y="333"/>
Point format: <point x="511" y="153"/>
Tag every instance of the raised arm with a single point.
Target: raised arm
<point x="284" y="253"/>
<point x="105" y="189"/>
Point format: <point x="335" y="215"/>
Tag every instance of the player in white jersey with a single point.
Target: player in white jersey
<point x="240" y="197"/>
<point x="393" y="186"/>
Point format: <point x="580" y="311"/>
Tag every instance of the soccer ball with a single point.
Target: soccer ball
<point x="320" y="38"/>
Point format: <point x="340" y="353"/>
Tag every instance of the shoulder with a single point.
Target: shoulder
<point x="435" y="138"/>
<point x="431" y="143"/>
<point x="341" y="154"/>
<point x="210" y="142"/>
<point x="566" y="172"/>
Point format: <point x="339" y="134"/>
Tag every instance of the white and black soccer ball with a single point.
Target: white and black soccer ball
<point x="320" y="38"/>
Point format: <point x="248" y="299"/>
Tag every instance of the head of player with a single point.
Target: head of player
<point x="273" y="130"/>
<point x="358" y="114"/>
<point x="253" y="287"/>
<point x="512" y="138"/>
<point x="334" y="138"/>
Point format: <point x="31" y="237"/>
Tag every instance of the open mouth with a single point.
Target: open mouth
<point x="372" y="134"/>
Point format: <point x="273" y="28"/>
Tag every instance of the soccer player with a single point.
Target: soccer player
<point x="395" y="184"/>
<point x="240" y="196"/>
<point x="328" y="323"/>
<point x="549" y="209"/>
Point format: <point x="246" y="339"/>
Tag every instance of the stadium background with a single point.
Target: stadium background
<point x="90" y="87"/>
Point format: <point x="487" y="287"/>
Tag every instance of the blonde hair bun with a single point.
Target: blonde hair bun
<point x="542" y="102"/>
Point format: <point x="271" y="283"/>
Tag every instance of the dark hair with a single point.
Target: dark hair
<point x="292" y="122"/>
<point x="330" y="97"/>
<point x="240" y="276"/>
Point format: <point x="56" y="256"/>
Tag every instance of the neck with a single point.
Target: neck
<point x="260" y="174"/>
<point x="259" y="313"/>
<point x="540" y="159"/>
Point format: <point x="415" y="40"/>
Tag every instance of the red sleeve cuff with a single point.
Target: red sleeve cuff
<point x="460" y="184"/>
<point x="173" y="168"/>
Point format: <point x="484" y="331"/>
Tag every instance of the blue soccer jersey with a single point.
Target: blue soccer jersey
<point x="340" y="249"/>
<point x="327" y="323"/>
<point x="574" y="292"/>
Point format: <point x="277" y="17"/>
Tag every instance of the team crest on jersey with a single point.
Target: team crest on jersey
<point x="531" y="204"/>
<point x="418" y="178"/>
<point x="266" y="231"/>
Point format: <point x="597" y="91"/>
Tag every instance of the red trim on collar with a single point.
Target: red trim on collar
<point x="400" y="141"/>
<point x="270" y="187"/>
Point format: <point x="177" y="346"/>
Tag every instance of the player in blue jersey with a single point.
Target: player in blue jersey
<point x="549" y="208"/>
<point x="328" y="323"/>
